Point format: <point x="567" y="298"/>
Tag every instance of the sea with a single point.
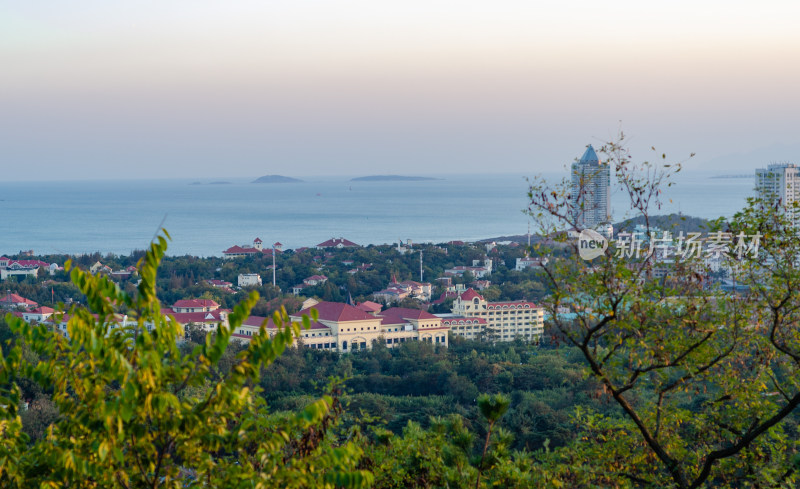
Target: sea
<point x="206" y="217"/>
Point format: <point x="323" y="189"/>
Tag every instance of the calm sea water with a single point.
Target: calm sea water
<point x="120" y="216"/>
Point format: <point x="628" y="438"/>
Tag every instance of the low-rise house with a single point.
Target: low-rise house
<point x="9" y="267"/>
<point x="478" y="269"/>
<point x="481" y="284"/>
<point x="249" y="280"/>
<point x="315" y="280"/>
<point x="208" y="321"/>
<point x="195" y="305"/>
<point x="39" y="314"/>
<point x="14" y="301"/>
<point x="338" y="243"/>
<point x="529" y="261"/>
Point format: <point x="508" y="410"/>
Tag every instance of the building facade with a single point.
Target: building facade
<point x="590" y="193"/>
<point x="504" y="321"/>
<point x="344" y="328"/>
<point x="780" y="184"/>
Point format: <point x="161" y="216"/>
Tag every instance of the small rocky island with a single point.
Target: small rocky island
<point x="275" y="179"/>
<point x="391" y="178"/>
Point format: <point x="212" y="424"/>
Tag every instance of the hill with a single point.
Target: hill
<point x="275" y="179"/>
<point x="670" y="222"/>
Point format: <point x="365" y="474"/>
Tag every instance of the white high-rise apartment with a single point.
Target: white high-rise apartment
<point x="780" y="184"/>
<point x="591" y="196"/>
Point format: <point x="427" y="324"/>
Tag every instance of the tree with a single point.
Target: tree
<point x="136" y="411"/>
<point x="705" y="379"/>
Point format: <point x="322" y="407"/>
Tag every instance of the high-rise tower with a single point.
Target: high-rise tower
<point x="591" y="198"/>
<point x="780" y="184"/>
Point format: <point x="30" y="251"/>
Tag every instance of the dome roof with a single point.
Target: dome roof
<point x="589" y="157"/>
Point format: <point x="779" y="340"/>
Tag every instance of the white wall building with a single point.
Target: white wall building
<point x="505" y="321"/>
<point x="249" y="280"/>
<point x="780" y="184"/>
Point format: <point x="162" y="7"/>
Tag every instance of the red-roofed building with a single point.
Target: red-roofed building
<point x="370" y="307"/>
<point x="13" y="301"/>
<point x="344" y="328"/>
<point x="209" y="320"/>
<point x="10" y="267"/>
<point x="315" y="280"/>
<point x="338" y="243"/>
<point x="243" y="251"/>
<point x="39" y="314"/>
<point x="195" y="305"/>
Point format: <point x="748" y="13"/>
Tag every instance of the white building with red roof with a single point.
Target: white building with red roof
<point x="344" y="328"/>
<point x="505" y="321"/>
<point x="9" y="267"/>
<point x="338" y="243"/>
<point x="315" y="280"/>
<point x="208" y="321"/>
<point x="195" y="305"/>
<point x="39" y="314"/>
<point x="256" y="250"/>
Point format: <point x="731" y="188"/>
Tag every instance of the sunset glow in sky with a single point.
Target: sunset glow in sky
<point x="112" y="89"/>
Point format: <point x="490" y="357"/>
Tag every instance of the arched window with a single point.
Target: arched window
<point x="344" y="345"/>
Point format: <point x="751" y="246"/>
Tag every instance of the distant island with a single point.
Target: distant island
<point x="391" y="178"/>
<point x="220" y="183"/>
<point x="741" y="175"/>
<point x="275" y="179"/>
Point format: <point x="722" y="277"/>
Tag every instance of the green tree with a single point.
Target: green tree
<point x="134" y="410"/>
<point x="704" y="378"/>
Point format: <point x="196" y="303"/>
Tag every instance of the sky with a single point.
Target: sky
<point x="207" y="89"/>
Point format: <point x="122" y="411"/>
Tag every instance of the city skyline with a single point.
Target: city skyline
<point x="200" y="89"/>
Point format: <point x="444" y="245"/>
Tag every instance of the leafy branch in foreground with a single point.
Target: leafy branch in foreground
<point x="704" y="376"/>
<point x="137" y="412"/>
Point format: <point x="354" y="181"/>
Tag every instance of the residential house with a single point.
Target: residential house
<point x="529" y="261"/>
<point x="338" y="243"/>
<point x="14" y="301"/>
<point x="195" y="305"/>
<point x="249" y="280"/>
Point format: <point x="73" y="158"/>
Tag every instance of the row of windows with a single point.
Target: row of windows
<point x="362" y="328"/>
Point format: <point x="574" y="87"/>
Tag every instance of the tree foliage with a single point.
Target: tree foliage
<point x="134" y="410"/>
<point x="704" y="376"/>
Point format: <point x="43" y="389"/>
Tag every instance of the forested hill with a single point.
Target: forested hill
<point x="670" y="222"/>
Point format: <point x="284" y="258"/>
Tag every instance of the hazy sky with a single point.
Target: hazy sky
<point x="203" y="89"/>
